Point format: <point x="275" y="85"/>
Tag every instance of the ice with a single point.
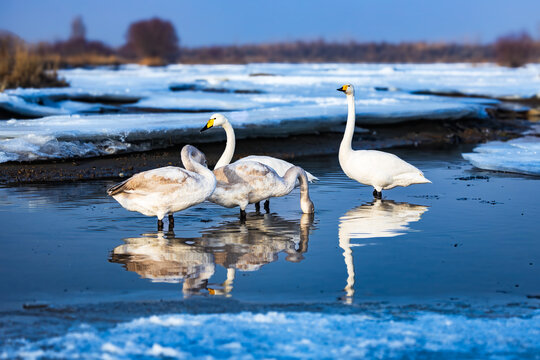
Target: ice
<point x="518" y="156"/>
<point x="294" y="335"/>
<point x="132" y="107"/>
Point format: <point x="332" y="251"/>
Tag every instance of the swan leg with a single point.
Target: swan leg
<point x="171" y="222"/>
<point x="160" y="225"/>
<point x="377" y="194"/>
<point x="267" y="206"/>
<point x="258" y="207"/>
<point x="242" y="215"/>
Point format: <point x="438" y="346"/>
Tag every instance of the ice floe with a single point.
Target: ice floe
<point x="518" y="156"/>
<point x="293" y="335"/>
<point x="132" y="104"/>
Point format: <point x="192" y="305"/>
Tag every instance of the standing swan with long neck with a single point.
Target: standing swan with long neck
<point x="379" y="169"/>
<point x="169" y="189"/>
<point x="280" y="166"/>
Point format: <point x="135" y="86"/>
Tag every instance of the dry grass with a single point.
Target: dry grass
<point x="19" y="67"/>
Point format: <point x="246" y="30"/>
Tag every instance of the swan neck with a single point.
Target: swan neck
<point x="290" y="179"/>
<point x="346" y="143"/>
<point x="194" y="166"/>
<point x="227" y="155"/>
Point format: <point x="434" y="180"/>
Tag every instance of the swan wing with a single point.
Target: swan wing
<point x="156" y="180"/>
<point x="280" y="166"/>
<point x="381" y="169"/>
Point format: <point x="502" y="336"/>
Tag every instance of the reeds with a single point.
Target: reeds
<point x="20" y="67"/>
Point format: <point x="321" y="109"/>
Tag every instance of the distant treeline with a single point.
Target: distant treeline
<point x="321" y="51"/>
<point x="155" y="42"/>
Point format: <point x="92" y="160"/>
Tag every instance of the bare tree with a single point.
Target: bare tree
<point x="153" y="38"/>
<point x="78" y="30"/>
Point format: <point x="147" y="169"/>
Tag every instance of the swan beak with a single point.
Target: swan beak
<point x="208" y="125"/>
<point x="343" y="88"/>
<point x="340" y="89"/>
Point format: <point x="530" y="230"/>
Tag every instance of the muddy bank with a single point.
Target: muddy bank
<point x="417" y="134"/>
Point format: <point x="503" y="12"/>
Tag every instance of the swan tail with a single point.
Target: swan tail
<point x="311" y="178"/>
<point x="412" y="178"/>
<point x="118" y="188"/>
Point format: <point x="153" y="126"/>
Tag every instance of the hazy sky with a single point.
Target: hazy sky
<point x="210" y="22"/>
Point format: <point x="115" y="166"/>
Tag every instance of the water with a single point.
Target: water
<point x="448" y="269"/>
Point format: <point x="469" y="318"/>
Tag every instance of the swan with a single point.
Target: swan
<point x="169" y="189"/>
<point x="280" y="166"/>
<point x="379" y="169"/>
<point x="248" y="182"/>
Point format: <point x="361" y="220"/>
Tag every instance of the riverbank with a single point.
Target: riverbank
<point x="420" y="134"/>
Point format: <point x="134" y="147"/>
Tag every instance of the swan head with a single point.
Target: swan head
<point x="347" y="89"/>
<point x="215" y="120"/>
<point x="307" y="205"/>
<point x="191" y="153"/>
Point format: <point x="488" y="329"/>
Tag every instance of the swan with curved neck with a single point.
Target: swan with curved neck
<point x="249" y="182"/>
<point x="280" y="166"/>
<point x="379" y="169"/>
<point x="169" y="189"/>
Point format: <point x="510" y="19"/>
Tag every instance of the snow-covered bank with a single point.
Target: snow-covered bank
<point x="517" y="156"/>
<point x="106" y="111"/>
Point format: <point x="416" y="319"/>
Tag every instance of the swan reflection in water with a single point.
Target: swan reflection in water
<point x="376" y="219"/>
<point x="162" y="257"/>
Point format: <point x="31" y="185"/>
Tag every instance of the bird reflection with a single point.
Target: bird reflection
<point x="376" y="219"/>
<point x="162" y="257"/>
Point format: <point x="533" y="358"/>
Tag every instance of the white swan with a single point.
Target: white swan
<point x="379" y="169"/>
<point x="166" y="190"/>
<point x="280" y="166"/>
<point x="249" y="182"/>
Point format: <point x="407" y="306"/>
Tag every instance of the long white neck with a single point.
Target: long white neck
<point x="227" y="155"/>
<point x="289" y="178"/>
<point x="346" y="143"/>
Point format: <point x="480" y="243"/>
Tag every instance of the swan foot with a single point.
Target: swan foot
<point x="243" y="216"/>
<point x="377" y="194"/>
<point x="258" y="207"/>
<point x="267" y="206"/>
<point x="171" y="222"/>
<point x="160" y="225"/>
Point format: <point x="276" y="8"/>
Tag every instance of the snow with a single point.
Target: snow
<point x="517" y="156"/>
<point x="294" y="335"/>
<point x="110" y="110"/>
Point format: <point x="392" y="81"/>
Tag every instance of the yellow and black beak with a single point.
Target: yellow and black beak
<point x="208" y="125"/>
<point x="343" y="88"/>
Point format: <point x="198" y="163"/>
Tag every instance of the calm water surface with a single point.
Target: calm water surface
<point x="466" y="245"/>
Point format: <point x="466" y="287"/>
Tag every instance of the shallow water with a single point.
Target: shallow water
<point x="459" y="255"/>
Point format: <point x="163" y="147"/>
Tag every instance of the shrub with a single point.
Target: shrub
<point x="154" y="38"/>
<point x="514" y="50"/>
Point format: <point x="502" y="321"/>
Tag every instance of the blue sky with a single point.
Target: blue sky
<point x="216" y="22"/>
